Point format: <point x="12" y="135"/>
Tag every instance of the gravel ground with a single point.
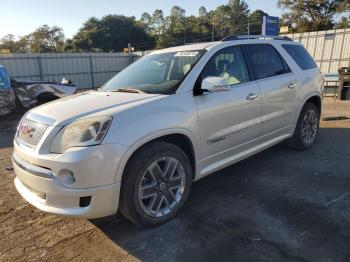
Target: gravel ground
<point x="279" y="205"/>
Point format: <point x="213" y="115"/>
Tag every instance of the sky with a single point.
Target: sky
<point x="21" y="17"/>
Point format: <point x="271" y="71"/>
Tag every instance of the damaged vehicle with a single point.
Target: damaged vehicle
<point x="7" y="94"/>
<point x="167" y="120"/>
<point x="27" y="94"/>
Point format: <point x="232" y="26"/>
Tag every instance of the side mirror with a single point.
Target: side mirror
<point x="215" y="84"/>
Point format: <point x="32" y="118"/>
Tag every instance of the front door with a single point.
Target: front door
<point x="228" y="121"/>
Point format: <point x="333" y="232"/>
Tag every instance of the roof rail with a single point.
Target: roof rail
<point x="242" y="37"/>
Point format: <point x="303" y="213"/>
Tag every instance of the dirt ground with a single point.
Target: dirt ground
<point x="280" y="205"/>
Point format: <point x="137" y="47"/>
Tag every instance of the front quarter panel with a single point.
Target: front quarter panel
<point x="174" y="114"/>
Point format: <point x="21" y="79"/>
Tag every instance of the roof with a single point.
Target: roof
<point x="191" y="47"/>
<point x="232" y="38"/>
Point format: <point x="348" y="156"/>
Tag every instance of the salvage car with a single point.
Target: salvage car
<point x="27" y="94"/>
<point x="7" y="94"/>
<point x="171" y="118"/>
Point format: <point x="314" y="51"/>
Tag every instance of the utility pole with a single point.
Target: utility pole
<point x="130" y="55"/>
<point x="248" y="28"/>
<point x="212" y="32"/>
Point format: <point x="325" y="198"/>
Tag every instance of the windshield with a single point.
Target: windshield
<point x="155" y="74"/>
<point x="4" y="79"/>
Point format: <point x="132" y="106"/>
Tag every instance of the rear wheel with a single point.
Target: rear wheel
<point x="306" y="131"/>
<point x="156" y="184"/>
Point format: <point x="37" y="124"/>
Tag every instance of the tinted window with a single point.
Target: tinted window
<point x="265" y="61"/>
<point x="228" y="63"/>
<point x="300" y="56"/>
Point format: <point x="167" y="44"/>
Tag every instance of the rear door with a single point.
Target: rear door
<point x="278" y="86"/>
<point x="229" y="121"/>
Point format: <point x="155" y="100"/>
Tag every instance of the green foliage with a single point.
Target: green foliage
<point x="111" y="33"/>
<point x="312" y="15"/>
<point x="255" y="22"/>
<point x="15" y="46"/>
<point x="343" y="23"/>
<point x="45" y="39"/>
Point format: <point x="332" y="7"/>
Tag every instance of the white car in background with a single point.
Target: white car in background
<point x="170" y="118"/>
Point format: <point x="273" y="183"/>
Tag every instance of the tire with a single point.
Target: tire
<point x="141" y="179"/>
<point x="309" y="119"/>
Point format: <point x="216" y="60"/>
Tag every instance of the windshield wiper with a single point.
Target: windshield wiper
<point x="128" y="90"/>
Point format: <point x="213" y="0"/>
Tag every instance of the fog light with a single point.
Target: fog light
<point x="66" y="176"/>
<point x="85" y="201"/>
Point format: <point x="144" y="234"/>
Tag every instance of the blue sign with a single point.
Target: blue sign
<point x="271" y="25"/>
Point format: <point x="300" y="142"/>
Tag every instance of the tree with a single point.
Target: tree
<point x="312" y="15"/>
<point x="177" y="22"/>
<point x="111" y="33"/>
<point x="202" y="24"/>
<point x="343" y="23"/>
<point x="158" y="22"/>
<point x="146" y="22"/>
<point x="255" y="22"/>
<point x="202" y="12"/>
<point x="15" y="46"/>
<point x="46" y="39"/>
<point x="222" y="21"/>
<point x="239" y="16"/>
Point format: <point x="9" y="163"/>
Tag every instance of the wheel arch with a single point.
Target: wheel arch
<point x="46" y="95"/>
<point x="317" y="101"/>
<point x="314" y="98"/>
<point x="181" y="138"/>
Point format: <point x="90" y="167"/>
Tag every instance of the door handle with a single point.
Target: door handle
<point x="252" y="96"/>
<point x="292" y="86"/>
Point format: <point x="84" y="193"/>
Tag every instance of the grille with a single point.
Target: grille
<point x="31" y="132"/>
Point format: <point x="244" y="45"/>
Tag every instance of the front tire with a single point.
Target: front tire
<point x="306" y="131"/>
<point x="156" y="184"/>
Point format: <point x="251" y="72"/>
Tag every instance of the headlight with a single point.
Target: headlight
<point x="85" y="132"/>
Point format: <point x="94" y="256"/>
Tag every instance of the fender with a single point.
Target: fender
<point x="307" y="97"/>
<point x="149" y="138"/>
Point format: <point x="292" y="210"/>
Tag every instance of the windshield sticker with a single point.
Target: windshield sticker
<point x="187" y="54"/>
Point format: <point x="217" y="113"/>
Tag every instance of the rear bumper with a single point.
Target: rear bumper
<point x="44" y="191"/>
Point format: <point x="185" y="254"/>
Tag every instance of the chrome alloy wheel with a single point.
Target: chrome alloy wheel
<point x="309" y="127"/>
<point x="162" y="186"/>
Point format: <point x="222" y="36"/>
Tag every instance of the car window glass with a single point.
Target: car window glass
<point x="300" y="56"/>
<point x="265" y="61"/>
<point x="229" y="64"/>
<point x="155" y="73"/>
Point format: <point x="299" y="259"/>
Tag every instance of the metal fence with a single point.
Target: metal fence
<point x="86" y="70"/>
<point x="330" y="49"/>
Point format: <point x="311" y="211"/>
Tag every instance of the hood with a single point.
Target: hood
<point x="89" y="104"/>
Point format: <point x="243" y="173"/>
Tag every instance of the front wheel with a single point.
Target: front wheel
<point x="156" y="184"/>
<point x="306" y="131"/>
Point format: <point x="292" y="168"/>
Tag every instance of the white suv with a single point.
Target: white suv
<point x="171" y="118"/>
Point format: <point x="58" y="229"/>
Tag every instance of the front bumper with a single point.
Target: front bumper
<point x="104" y="200"/>
<point x="93" y="193"/>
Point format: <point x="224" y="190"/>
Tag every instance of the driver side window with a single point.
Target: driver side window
<point x="229" y="64"/>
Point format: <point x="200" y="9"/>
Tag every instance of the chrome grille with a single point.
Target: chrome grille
<point x="31" y="132"/>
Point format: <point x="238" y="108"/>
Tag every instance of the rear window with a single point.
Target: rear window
<point x="300" y="56"/>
